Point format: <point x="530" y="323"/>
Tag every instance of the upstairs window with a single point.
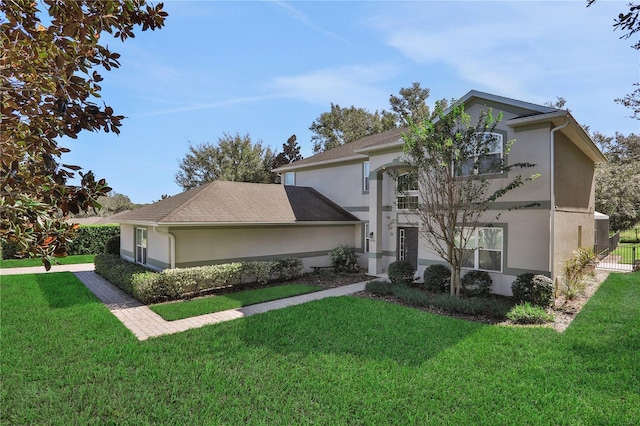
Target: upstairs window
<point x="365" y="176"/>
<point x="488" y="156"/>
<point x="407" y="190"/>
<point x="290" y="178"/>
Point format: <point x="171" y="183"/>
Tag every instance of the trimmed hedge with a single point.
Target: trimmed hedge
<point x="437" y="278"/>
<point x="401" y="272"/>
<point x="535" y="289"/>
<point x="171" y="284"/>
<point x="476" y="283"/>
<point x="91" y="239"/>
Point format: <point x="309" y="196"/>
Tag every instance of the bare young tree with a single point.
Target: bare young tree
<point x="452" y="163"/>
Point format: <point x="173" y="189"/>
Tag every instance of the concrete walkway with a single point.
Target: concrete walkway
<point x="144" y="323"/>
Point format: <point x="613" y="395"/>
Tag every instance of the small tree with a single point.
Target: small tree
<point x="451" y="161"/>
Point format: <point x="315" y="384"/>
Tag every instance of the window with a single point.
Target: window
<point x="367" y="237"/>
<point x="141" y="245"/>
<point x="488" y="157"/>
<point x="484" y="250"/>
<point x="290" y="178"/>
<point x="407" y="190"/>
<point x="365" y="176"/>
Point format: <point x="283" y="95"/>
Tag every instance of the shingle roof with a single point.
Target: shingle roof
<point x="348" y="150"/>
<point x="241" y="202"/>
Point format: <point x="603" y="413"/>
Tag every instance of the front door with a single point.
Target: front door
<point x="408" y="245"/>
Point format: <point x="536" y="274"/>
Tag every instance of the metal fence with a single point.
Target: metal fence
<point x="617" y="257"/>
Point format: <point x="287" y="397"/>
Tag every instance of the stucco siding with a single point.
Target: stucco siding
<point x="216" y="245"/>
<point x="342" y="184"/>
<point x="573" y="230"/>
<point x="574" y="176"/>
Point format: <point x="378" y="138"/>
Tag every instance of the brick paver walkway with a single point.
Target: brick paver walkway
<point x="144" y="323"/>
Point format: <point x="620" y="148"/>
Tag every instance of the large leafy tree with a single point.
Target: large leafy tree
<point x="629" y="23"/>
<point x="449" y="158"/>
<point x="618" y="180"/>
<point x="290" y="153"/>
<point x="343" y="125"/>
<point x="233" y="158"/>
<point x="51" y="63"/>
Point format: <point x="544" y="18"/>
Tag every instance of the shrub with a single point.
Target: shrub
<point x="112" y="246"/>
<point x="411" y="296"/>
<point x="535" y="289"/>
<point x="476" y="283"/>
<point x="117" y="271"/>
<point x="92" y="239"/>
<point x="287" y="268"/>
<point x="401" y="272"/>
<point x="455" y="304"/>
<point x="344" y="259"/>
<point x="527" y="313"/>
<point x="10" y="249"/>
<point x="437" y="278"/>
<point x="380" y="287"/>
<point x="581" y="263"/>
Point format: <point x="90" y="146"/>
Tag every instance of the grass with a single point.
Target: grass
<point x="67" y="360"/>
<point x="631" y="234"/>
<point x="625" y="251"/>
<point x="68" y="260"/>
<point x="205" y="305"/>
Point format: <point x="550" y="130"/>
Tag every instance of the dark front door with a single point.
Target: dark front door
<point x="408" y="245"/>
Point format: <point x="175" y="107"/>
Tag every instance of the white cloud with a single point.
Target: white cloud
<point x="347" y="85"/>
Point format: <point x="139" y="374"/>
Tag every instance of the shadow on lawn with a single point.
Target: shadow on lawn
<point x="62" y="290"/>
<point x="359" y="327"/>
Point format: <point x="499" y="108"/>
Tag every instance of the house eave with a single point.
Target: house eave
<point x="235" y="224"/>
<point x="381" y="147"/>
<point x="294" y="167"/>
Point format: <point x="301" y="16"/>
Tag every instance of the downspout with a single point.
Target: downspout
<point x="172" y="246"/>
<point x="553" y="197"/>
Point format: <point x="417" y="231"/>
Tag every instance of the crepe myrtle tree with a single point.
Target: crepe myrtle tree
<point x="50" y="82"/>
<point x="454" y="164"/>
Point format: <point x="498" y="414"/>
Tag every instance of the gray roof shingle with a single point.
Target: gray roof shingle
<point x="222" y="202"/>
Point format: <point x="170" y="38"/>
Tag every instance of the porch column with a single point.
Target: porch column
<point x="375" y="222"/>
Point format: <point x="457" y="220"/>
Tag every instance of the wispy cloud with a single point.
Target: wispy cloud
<point x="298" y="15"/>
<point x="347" y="85"/>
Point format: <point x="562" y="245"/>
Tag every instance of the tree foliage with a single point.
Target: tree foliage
<point x="629" y="23"/>
<point x="344" y="125"/>
<point x="446" y="156"/>
<point x="234" y="158"/>
<point x="618" y="180"/>
<point x="50" y="89"/>
<point x="290" y="153"/>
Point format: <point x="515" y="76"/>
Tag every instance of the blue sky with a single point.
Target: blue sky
<point x="269" y="69"/>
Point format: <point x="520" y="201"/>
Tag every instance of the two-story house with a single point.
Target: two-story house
<point x="346" y="195"/>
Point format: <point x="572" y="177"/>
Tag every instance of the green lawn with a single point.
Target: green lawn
<point x="67" y="360"/>
<point x="205" y="305"/>
<point x="625" y="250"/>
<point x="68" y="260"/>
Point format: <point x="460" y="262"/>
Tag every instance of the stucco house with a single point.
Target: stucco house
<point x="349" y="197"/>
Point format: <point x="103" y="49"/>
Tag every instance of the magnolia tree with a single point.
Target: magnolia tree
<point x="453" y="164"/>
<point x="51" y="63"/>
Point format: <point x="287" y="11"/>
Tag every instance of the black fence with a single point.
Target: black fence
<point x="617" y="257"/>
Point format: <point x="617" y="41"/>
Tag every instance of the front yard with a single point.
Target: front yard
<point x="67" y="360"/>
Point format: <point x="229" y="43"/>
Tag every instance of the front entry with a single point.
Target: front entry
<point x="408" y="245"/>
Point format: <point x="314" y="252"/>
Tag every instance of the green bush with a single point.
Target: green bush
<point x="527" y="313"/>
<point x="401" y="272"/>
<point x="579" y="265"/>
<point x="455" y="304"/>
<point x="171" y="284"/>
<point x="117" y="271"/>
<point x="344" y="259"/>
<point x="286" y="268"/>
<point x="380" y="287"/>
<point x="411" y="296"/>
<point x="437" y="278"/>
<point x="535" y="289"/>
<point x="112" y="246"/>
<point x="9" y="249"/>
<point x="92" y="239"/>
<point x="476" y="283"/>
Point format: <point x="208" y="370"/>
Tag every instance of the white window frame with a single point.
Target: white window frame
<point x="365" y="176"/>
<point x="499" y="138"/>
<point x="141" y="240"/>
<point x="407" y="198"/>
<point x="472" y="244"/>
<point x="290" y="178"/>
<point x="367" y="238"/>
